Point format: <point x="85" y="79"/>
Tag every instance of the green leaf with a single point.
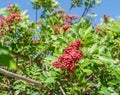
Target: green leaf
<point x="6" y="59"/>
<point x="54" y="37"/>
<point x="50" y="58"/>
<point x="97" y="61"/>
<point x="46" y="74"/>
<point x="85" y="62"/>
<point x="12" y="65"/>
<point x="98" y="2"/>
<point x="50" y="80"/>
<point x="106" y="59"/>
<point x="113" y="82"/>
<point x="87" y="34"/>
<point x="87" y="71"/>
<point x="117" y="73"/>
<point x="17" y="92"/>
<point x="104" y="91"/>
<point x="93" y="48"/>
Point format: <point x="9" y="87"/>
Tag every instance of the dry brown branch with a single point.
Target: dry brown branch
<point x="10" y="74"/>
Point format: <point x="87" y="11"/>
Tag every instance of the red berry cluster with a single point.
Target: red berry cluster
<point x="64" y="27"/>
<point x="67" y="18"/>
<point x="7" y="21"/>
<point x="71" y="56"/>
<point x="10" y="7"/>
<point x="98" y="28"/>
<point x="61" y="11"/>
<point x="106" y="18"/>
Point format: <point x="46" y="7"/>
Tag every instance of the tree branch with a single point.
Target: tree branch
<point x="63" y="92"/>
<point x="90" y="77"/>
<point x="84" y="12"/>
<point x="87" y="8"/>
<point x="10" y="74"/>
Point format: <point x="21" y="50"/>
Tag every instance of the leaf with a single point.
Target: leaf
<point x="98" y="2"/>
<point x="50" y="80"/>
<point x="113" y="82"/>
<point x="87" y="33"/>
<point x="97" y="61"/>
<point x="102" y="49"/>
<point x="54" y="37"/>
<point x="104" y="91"/>
<point x="106" y="59"/>
<point x="85" y="62"/>
<point x="114" y="29"/>
<point x="117" y="73"/>
<point x="12" y="65"/>
<point x="46" y="74"/>
<point x="87" y="71"/>
<point x="17" y="92"/>
<point x="6" y="59"/>
<point x="80" y="32"/>
<point x="93" y="48"/>
<point x="50" y="58"/>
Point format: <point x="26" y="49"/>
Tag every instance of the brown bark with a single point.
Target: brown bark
<point x="13" y="75"/>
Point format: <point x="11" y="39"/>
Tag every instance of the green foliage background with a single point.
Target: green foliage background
<point x="97" y="73"/>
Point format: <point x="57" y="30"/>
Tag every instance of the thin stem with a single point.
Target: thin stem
<point x="10" y="74"/>
<point x="84" y="12"/>
<point x="90" y="77"/>
<point x="62" y="90"/>
<point x="36" y="13"/>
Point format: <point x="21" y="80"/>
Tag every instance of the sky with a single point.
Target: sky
<point x="109" y="7"/>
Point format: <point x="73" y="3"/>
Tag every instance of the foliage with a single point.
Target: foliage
<point x="90" y="3"/>
<point x="35" y="48"/>
<point x="50" y="5"/>
<point x="46" y="4"/>
<point x="6" y="59"/>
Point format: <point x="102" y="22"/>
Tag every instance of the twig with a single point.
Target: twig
<point x="84" y="12"/>
<point x="90" y="77"/>
<point x="10" y="74"/>
<point x="36" y="13"/>
<point x="63" y="92"/>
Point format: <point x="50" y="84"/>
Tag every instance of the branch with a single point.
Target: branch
<point x="36" y="13"/>
<point x="10" y="74"/>
<point x="84" y="12"/>
<point x="63" y="92"/>
<point x="90" y="77"/>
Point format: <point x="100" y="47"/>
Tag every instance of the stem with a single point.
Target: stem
<point x="36" y="13"/>
<point x="90" y="77"/>
<point x="10" y="74"/>
<point x="63" y="92"/>
<point x="84" y="12"/>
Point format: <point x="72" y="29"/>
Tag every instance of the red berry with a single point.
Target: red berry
<point x="10" y="7"/>
<point x="71" y="56"/>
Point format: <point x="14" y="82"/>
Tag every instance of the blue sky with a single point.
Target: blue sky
<point x="109" y="7"/>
